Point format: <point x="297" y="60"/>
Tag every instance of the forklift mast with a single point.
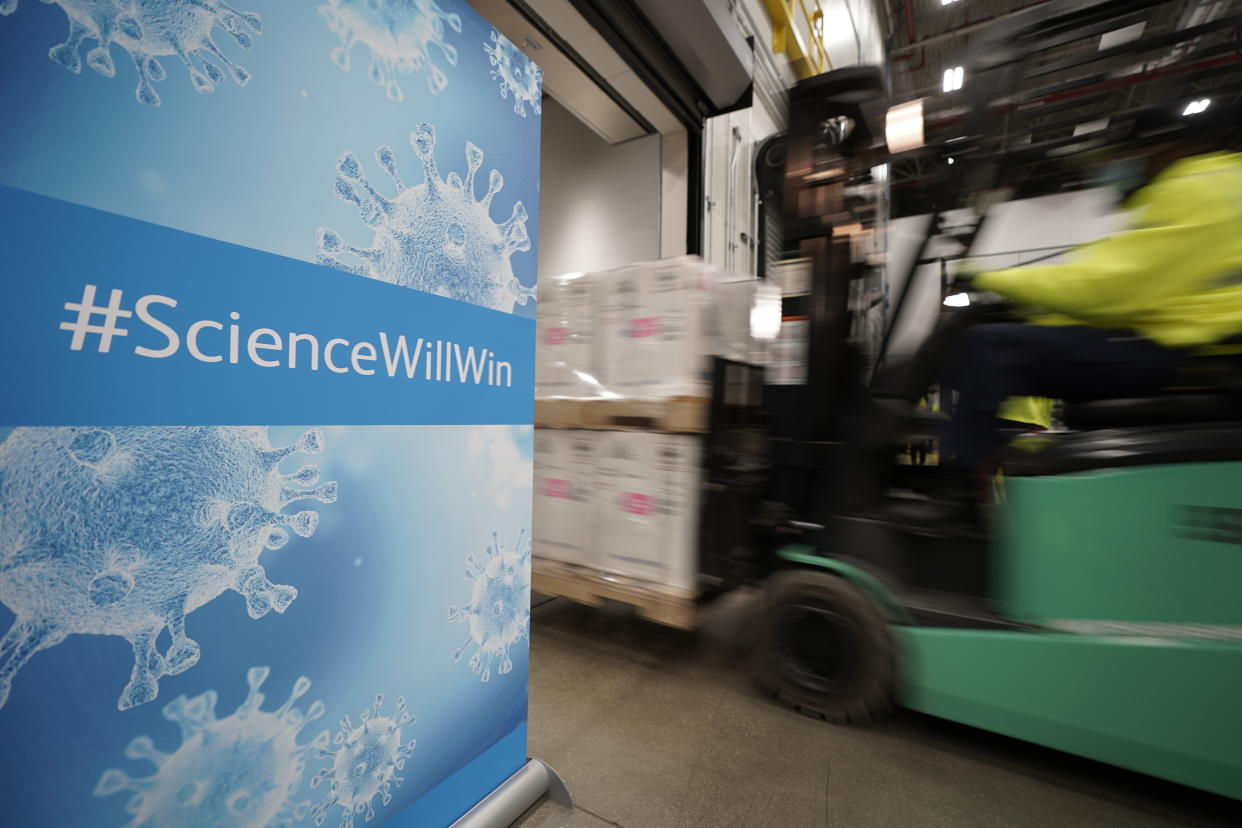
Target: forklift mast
<point x="829" y="199"/>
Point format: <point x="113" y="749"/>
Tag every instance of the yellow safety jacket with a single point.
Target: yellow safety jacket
<point x="1176" y="278"/>
<point x="1028" y="411"/>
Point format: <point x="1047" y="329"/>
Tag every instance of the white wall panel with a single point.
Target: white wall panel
<point x="599" y="203"/>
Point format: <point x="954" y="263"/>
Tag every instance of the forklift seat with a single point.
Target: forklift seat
<point x="1169" y="409"/>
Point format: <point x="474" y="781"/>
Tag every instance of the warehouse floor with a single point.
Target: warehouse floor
<point x="650" y="726"/>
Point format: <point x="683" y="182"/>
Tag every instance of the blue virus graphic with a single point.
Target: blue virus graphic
<point x="149" y="30"/>
<point x="399" y="33"/>
<point x="498" y="614"/>
<point x="126" y="531"/>
<point x="518" y="74"/>
<point x="241" y="771"/>
<point x="365" y="761"/>
<point x="435" y="237"/>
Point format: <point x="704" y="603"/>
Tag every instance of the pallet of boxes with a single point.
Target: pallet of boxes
<point x="622" y="402"/>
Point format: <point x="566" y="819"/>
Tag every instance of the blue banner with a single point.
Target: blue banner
<point x="202" y="331"/>
<point x="266" y="443"/>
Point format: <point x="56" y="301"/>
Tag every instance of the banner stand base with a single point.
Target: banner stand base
<point x="515" y="795"/>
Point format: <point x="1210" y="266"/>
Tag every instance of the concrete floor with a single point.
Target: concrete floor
<point x="650" y="726"/>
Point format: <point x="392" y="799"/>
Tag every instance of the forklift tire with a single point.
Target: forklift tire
<point x="823" y="649"/>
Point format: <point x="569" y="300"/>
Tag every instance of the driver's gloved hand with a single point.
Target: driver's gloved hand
<point x="965" y="297"/>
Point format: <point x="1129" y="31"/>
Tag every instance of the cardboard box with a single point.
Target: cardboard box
<point x="567" y="351"/>
<point x="646" y="331"/>
<point x="624" y="331"/>
<point x="681" y="298"/>
<point x="649" y="507"/>
<point x="566" y="495"/>
<point x="660" y="328"/>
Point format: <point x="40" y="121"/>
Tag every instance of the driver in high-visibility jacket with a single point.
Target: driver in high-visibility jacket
<point x="1119" y="317"/>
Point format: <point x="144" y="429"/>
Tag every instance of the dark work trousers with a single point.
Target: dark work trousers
<point x="1072" y="363"/>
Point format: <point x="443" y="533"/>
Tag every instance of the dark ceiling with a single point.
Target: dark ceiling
<point x="1088" y="79"/>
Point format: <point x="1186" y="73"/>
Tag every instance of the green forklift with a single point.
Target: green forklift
<point x="1097" y="607"/>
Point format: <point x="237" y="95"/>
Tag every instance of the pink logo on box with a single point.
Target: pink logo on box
<point x="644" y="326"/>
<point x="556" y="336"/>
<point x="556" y="488"/>
<point x="637" y="504"/>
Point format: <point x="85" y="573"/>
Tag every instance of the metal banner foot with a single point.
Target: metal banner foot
<point x="515" y="795"/>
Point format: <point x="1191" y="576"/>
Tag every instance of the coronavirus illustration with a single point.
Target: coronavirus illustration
<point x="399" y="33"/>
<point x="126" y="531"/>
<point x="242" y="771"/>
<point x="436" y="236"/>
<point x="498" y="615"/>
<point x="365" y="761"/>
<point x="149" y="30"/>
<point x="518" y="74"/>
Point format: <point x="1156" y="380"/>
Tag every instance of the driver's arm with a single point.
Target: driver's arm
<point x="1171" y="251"/>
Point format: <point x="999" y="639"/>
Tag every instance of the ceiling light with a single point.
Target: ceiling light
<point x="947" y="2"/>
<point x="950" y="159"/>
<point x="1195" y="107"/>
<point x="953" y="78"/>
<point x="957" y="300"/>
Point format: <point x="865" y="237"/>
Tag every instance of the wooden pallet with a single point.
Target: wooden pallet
<point x="679" y="415"/>
<point x="560" y="413"/>
<point x="664" y="605"/>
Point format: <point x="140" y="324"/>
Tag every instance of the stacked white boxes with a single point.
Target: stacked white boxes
<point x="624" y="502"/>
<point x="567" y="494"/>
<point x="649" y="507"/>
<point x="645" y="331"/>
<point x="617" y="501"/>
